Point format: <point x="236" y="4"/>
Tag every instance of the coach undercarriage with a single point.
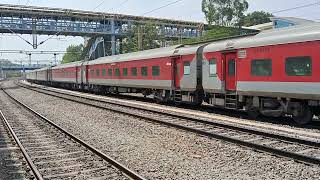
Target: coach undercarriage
<point x="302" y="111"/>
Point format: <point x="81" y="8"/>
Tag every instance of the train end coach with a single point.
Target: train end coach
<point x="273" y="73"/>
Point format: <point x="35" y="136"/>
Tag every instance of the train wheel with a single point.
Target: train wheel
<point x="253" y="113"/>
<point x="305" y="116"/>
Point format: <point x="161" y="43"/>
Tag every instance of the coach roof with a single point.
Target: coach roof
<point x="69" y="65"/>
<point x="42" y="69"/>
<point x="294" y="34"/>
<point x="140" y="55"/>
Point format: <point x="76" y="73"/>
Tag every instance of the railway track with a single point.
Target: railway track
<point x="15" y="161"/>
<point x="302" y="150"/>
<point x="54" y="153"/>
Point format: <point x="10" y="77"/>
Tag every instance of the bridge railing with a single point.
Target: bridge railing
<point x="21" y="67"/>
<point x="65" y="25"/>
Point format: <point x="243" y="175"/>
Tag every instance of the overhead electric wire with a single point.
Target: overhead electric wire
<point x="156" y="9"/>
<point x="27" y="2"/>
<point x="102" y="2"/>
<point x="121" y="4"/>
<point x="19" y="36"/>
<point x="297" y="7"/>
<point x="56" y="34"/>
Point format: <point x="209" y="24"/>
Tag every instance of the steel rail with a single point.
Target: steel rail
<point x="279" y="152"/>
<point x="131" y="174"/>
<point x="237" y="128"/>
<point x="32" y="166"/>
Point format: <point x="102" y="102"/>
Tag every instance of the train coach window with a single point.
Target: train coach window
<point x="134" y="71"/>
<point x="144" y="71"/>
<point x="92" y="72"/>
<point x="155" y="70"/>
<point x="299" y="66"/>
<point x="110" y="72"/>
<point x="186" y="68"/>
<point x="261" y="67"/>
<point x="98" y="72"/>
<point x="213" y="67"/>
<point x="104" y="72"/>
<point x="125" y="71"/>
<point x="117" y="72"/>
<point x="232" y="67"/>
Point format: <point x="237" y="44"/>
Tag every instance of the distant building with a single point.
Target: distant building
<point x="280" y="22"/>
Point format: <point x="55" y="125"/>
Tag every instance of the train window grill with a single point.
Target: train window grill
<point x="92" y="72"/>
<point x="186" y="68"/>
<point x="144" y="71"/>
<point x="97" y="72"/>
<point x="155" y="70"/>
<point x="125" y="71"/>
<point x="299" y="66"/>
<point x="110" y="72"/>
<point x="134" y="71"/>
<point x="104" y="72"/>
<point x="261" y="67"/>
<point x="213" y="67"/>
<point x="232" y="67"/>
<point x="117" y="72"/>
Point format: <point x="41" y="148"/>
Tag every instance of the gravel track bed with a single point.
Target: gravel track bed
<point x="87" y="166"/>
<point x="283" y="129"/>
<point x="237" y="116"/>
<point x="158" y="152"/>
<point x="12" y="163"/>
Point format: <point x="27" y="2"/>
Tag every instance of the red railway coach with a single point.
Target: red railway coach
<point x="40" y="75"/>
<point x="64" y="75"/>
<point x="273" y="73"/>
<point x="156" y="72"/>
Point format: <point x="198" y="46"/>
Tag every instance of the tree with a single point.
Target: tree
<point x="142" y="37"/>
<point x="73" y="54"/>
<point x="224" y="12"/>
<point x="257" y="17"/>
<point x="5" y="62"/>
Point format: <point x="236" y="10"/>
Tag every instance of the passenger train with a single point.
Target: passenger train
<point x="274" y="73"/>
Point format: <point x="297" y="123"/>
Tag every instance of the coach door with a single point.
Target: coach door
<point x="77" y="74"/>
<point x="85" y="74"/>
<point x="230" y="71"/>
<point x="176" y="63"/>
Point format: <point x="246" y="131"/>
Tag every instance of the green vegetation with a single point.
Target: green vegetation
<point x="257" y="17"/>
<point x="14" y="74"/>
<point x="224" y="12"/>
<point x="10" y="74"/>
<point x="216" y="32"/>
<point x="142" y="37"/>
<point x="74" y="53"/>
<point x="5" y="62"/>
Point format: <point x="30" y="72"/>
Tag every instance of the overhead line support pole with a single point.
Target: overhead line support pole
<point x="34" y="33"/>
<point x="113" y="37"/>
<point x="140" y="38"/>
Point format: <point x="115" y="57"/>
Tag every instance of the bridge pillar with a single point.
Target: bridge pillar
<point x="113" y="38"/>
<point x="1" y="73"/>
<point x="34" y="33"/>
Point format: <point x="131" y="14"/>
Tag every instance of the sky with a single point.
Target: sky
<point x="183" y="10"/>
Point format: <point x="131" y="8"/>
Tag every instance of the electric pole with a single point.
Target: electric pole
<point x="55" y="58"/>
<point x="139" y="38"/>
<point x="29" y="58"/>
